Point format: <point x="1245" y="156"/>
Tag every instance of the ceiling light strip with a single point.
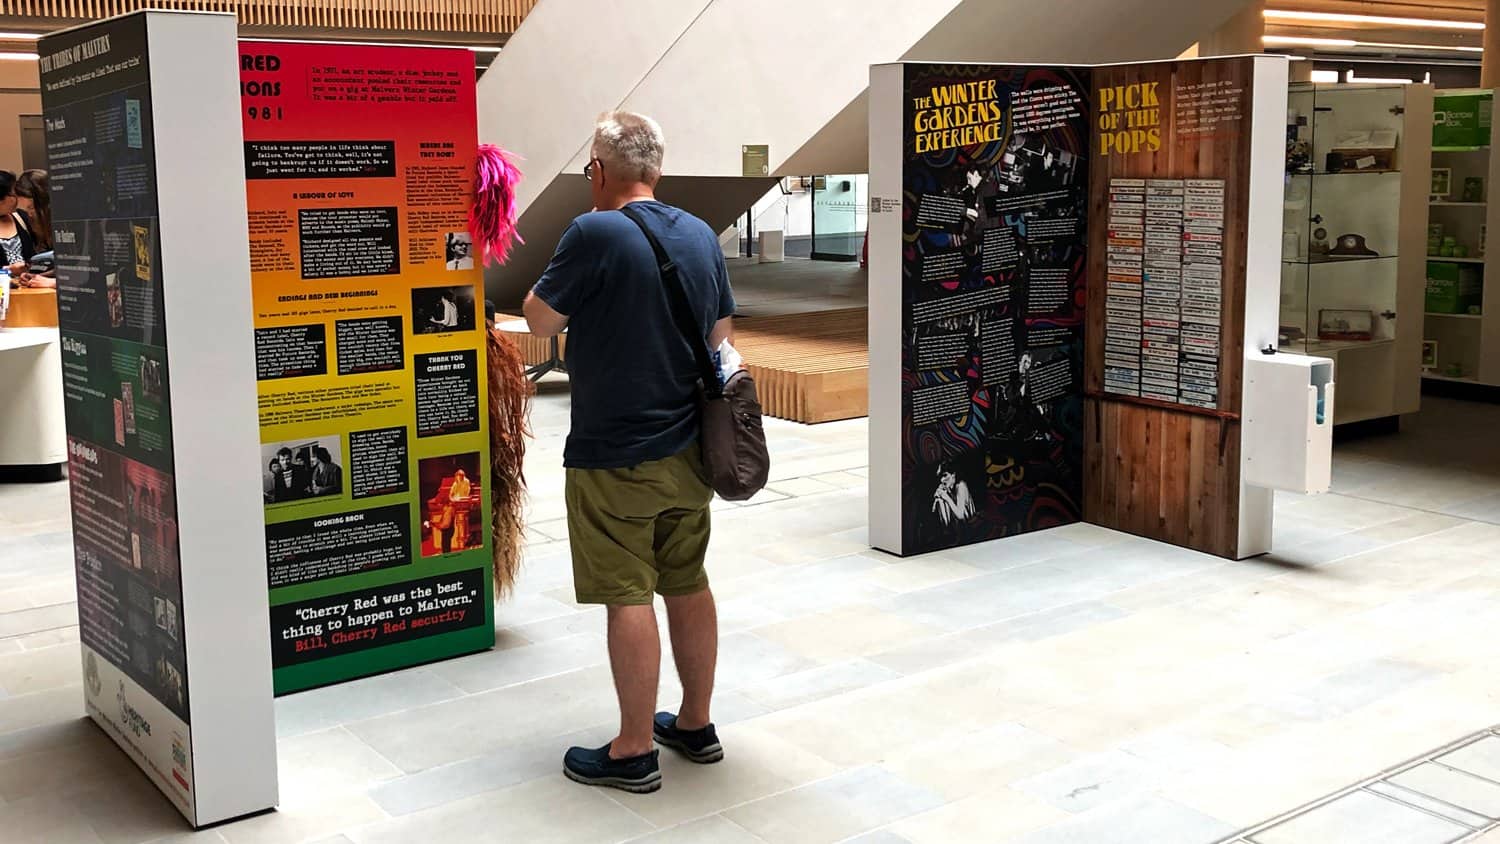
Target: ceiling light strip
<point x="1370" y="20"/>
<point x="473" y="48"/>
<point x="1349" y="43"/>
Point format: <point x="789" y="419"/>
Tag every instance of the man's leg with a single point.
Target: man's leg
<point x="694" y="624"/>
<point x="611" y="516"/>
<point x="635" y="659"/>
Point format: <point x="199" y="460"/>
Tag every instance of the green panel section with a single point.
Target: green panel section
<point x="1462" y="121"/>
<point x="297" y="678"/>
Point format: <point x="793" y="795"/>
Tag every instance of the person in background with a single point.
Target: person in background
<point x="637" y="498"/>
<point x="34" y="199"/>
<point x="327" y="477"/>
<point x="16" y="238"/>
<point x="489" y="315"/>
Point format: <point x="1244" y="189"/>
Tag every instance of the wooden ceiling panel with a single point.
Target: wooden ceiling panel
<point x="487" y="21"/>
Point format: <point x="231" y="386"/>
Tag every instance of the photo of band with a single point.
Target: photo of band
<point x="301" y="469"/>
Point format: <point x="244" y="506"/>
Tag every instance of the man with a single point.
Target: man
<point x="327" y="477"/>
<point x="448" y="320"/>
<point x="292" y="479"/>
<point x="638" y="514"/>
<point x="460" y="251"/>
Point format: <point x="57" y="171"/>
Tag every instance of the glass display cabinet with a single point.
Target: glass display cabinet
<point x="1461" y="343"/>
<point x="1353" y="238"/>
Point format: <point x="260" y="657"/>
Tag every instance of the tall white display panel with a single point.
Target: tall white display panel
<point x="147" y="163"/>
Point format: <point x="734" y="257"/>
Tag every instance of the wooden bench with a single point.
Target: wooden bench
<point x="811" y="367"/>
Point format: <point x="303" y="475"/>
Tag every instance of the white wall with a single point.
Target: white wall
<point x="791" y="214"/>
<point x="770" y="72"/>
<point x="20" y="93"/>
<point x="569" y="61"/>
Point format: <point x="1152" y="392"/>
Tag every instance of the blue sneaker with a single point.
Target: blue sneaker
<point x="638" y="774"/>
<point x="701" y="746"/>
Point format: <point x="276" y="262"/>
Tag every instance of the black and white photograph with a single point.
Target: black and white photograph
<point x="459" y="251"/>
<point x="439" y="310"/>
<point x="952" y="502"/>
<point x="298" y="470"/>
<point x="951" y="492"/>
<point x="1032" y="165"/>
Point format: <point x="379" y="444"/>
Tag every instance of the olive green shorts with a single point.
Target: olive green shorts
<point x="639" y="530"/>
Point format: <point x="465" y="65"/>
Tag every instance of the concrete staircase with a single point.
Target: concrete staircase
<point x="792" y="74"/>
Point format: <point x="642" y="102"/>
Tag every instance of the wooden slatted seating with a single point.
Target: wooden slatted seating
<point x="809" y="367"/>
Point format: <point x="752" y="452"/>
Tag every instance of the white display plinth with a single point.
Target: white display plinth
<point x="32" y="411"/>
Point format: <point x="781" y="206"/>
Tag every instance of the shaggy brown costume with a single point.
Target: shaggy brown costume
<point x="510" y="399"/>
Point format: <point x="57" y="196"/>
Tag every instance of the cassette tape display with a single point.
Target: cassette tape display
<point x="1163" y="298"/>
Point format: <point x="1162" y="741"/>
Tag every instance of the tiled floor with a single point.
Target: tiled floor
<point x="1447" y="795"/>
<point x="1071" y="686"/>
<point x="796" y="286"/>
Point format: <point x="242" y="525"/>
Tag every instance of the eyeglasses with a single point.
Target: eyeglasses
<point x="588" y="169"/>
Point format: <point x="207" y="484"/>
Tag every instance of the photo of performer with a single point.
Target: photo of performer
<point x="439" y="310"/>
<point x="459" y="251"/>
<point x="454" y="519"/>
<point x="976" y="191"/>
<point x="951" y="501"/>
<point x="447" y="320"/>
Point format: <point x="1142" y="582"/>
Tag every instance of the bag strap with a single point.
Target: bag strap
<point x="681" y="307"/>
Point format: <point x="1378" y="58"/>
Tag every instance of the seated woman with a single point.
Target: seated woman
<point x="17" y="240"/>
<point x="34" y="200"/>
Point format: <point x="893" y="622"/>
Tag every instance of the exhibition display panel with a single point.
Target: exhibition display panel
<point x="144" y="149"/>
<point x="370" y="356"/>
<point x="1352" y="239"/>
<point x="1068" y="267"/>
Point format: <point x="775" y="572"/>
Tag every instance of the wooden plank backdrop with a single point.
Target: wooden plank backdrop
<point x="1167" y="473"/>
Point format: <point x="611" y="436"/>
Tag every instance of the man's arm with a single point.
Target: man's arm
<point x="723" y="330"/>
<point x="564" y="287"/>
<point x="542" y="319"/>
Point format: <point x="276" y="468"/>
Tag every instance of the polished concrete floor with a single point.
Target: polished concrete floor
<point x="1076" y="685"/>
<point x="796" y="286"/>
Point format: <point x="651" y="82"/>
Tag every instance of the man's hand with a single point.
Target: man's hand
<point x="541" y="318"/>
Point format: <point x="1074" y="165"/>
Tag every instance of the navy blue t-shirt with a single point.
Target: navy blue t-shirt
<point x="633" y="375"/>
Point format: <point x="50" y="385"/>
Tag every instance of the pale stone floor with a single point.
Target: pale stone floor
<point x="1077" y="685"/>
